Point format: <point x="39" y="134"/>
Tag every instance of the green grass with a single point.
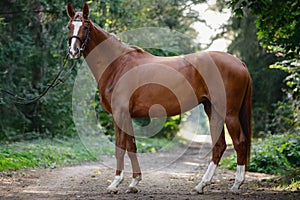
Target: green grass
<point x="293" y="185"/>
<point x="42" y="153"/>
<point x="47" y="153"/>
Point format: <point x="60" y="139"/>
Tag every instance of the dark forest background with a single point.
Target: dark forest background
<point x="264" y="34"/>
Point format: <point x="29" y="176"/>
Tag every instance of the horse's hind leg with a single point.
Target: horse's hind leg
<point x="219" y="146"/>
<point x="217" y="152"/>
<point x="240" y="145"/>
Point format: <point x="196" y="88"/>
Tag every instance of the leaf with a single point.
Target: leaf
<point x="238" y="13"/>
<point x="283" y="146"/>
<point x="98" y="172"/>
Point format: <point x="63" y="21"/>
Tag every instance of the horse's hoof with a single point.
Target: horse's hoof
<point x="234" y="191"/>
<point x="132" y="190"/>
<point x="195" y="191"/>
<point x="112" y="190"/>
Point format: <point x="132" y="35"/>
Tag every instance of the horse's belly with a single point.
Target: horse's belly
<point x="159" y="101"/>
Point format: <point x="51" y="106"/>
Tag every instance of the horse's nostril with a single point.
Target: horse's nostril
<point x="74" y="51"/>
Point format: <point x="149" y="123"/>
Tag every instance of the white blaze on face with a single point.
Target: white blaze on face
<point x="77" y="26"/>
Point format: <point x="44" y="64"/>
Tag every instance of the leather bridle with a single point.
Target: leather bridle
<point x="82" y="42"/>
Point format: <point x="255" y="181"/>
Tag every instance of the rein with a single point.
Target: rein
<point x="55" y="82"/>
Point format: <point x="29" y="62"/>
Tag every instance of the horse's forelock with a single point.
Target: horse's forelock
<point x="78" y="16"/>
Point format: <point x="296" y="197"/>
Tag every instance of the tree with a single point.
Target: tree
<point x="278" y="24"/>
<point x="267" y="83"/>
<point x="32" y="49"/>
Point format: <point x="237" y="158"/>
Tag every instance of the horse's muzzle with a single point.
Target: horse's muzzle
<point x="74" y="54"/>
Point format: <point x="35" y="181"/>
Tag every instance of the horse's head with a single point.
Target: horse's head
<point x="79" y="30"/>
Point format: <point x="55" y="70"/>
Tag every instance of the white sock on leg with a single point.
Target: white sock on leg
<point x="239" y="178"/>
<point x="206" y="179"/>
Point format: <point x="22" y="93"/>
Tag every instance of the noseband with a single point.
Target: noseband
<point x="82" y="42"/>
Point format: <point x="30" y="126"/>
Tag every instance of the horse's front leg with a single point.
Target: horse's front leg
<point x="127" y="129"/>
<point x="120" y="149"/>
<point x="136" y="171"/>
<point x="125" y="141"/>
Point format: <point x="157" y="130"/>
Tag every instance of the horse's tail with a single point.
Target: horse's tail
<point x="246" y="118"/>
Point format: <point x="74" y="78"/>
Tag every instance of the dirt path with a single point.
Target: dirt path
<point x="173" y="180"/>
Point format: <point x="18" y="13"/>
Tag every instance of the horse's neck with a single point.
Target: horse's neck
<point x="103" y="50"/>
<point x="96" y="36"/>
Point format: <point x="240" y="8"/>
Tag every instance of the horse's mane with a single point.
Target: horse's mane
<point x="139" y="49"/>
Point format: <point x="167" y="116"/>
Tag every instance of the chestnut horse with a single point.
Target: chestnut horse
<point x="136" y="84"/>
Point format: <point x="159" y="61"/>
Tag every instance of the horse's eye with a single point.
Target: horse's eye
<point x="68" y="27"/>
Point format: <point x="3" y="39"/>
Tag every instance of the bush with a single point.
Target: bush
<point x="274" y="154"/>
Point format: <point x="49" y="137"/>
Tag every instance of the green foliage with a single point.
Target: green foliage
<point x="274" y="154"/>
<point x="118" y="16"/>
<point x="292" y="81"/>
<point x="42" y="153"/>
<point x="171" y="127"/>
<point x="154" y="144"/>
<point x="267" y="83"/>
<point x="278" y="23"/>
<point x="286" y="117"/>
<point x="229" y="162"/>
<point x="278" y="29"/>
<point x="32" y="48"/>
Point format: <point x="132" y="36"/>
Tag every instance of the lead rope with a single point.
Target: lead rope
<point x="56" y="81"/>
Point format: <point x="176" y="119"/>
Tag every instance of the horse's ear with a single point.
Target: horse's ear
<point x="70" y="10"/>
<point x="85" y="11"/>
